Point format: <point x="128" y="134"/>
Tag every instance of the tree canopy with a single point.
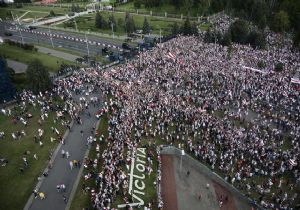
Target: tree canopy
<point x="146" y="26"/>
<point x="37" y="76"/>
<point x="7" y="90"/>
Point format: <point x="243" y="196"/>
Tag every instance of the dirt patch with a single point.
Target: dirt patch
<point x="168" y="184"/>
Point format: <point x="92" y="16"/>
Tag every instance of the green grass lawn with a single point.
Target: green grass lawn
<point x="46" y="9"/>
<point x="35" y="11"/>
<point x="15" y="187"/>
<point x="86" y="23"/>
<point x="169" y="8"/>
<point x="25" y="56"/>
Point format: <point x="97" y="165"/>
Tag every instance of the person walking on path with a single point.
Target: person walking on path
<point x="42" y="195"/>
<point x="65" y="199"/>
<point x="63" y="153"/>
<point x="67" y="154"/>
<point x="71" y="164"/>
<point x="63" y="187"/>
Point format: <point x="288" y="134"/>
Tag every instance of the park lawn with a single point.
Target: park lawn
<point x="87" y="23"/>
<point x="82" y="200"/>
<point x="56" y="10"/>
<point x="168" y="8"/>
<point x="205" y="26"/>
<point x="5" y="13"/>
<point x="15" y="187"/>
<point x="25" y="56"/>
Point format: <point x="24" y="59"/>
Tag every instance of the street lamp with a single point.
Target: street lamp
<point x="159" y="35"/>
<point x="112" y="29"/>
<point x="182" y="154"/>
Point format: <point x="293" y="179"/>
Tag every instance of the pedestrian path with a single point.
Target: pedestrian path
<point x="61" y="172"/>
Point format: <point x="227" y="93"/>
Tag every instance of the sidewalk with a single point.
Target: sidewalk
<point x="56" y="53"/>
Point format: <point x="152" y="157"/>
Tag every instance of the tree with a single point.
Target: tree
<point x="146" y="27"/>
<point x="175" y="29"/>
<point x="73" y="8"/>
<point x="256" y="39"/>
<point x="52" y="14"/>
<point x="279" y="67"/>
<point x="37" y="76"/>
<point x="99" y="21"/>
<point x="186" y="27"/>
<point x="226" y="40"/>
<point x="112" y="21"/>
<point x="296" y="40"/>
<point x="129" y="23"/>
<point x="194" y="29"/>
<point x="281" y="21"/>
<point x="7" y="90"/>
<point x="137" y="4"/>
<point x="239" y="31"/>
<point x="120" y="22"/>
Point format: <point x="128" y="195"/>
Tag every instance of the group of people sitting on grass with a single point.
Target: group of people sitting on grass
<point x="240" y="119"/>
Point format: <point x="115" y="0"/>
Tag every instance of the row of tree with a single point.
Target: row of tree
<point x="128" y="23"/>
<point x="187" y="28"/>
<point x="238" y="32"/>
<point x="36" y="78"/>
<point x="280" y="15"/>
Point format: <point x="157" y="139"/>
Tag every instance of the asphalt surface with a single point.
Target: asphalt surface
<point x="80" y="47"/>
<point x="56" y="53"/>
<point x="18" y="67"/>
<point x="61" y="172"/>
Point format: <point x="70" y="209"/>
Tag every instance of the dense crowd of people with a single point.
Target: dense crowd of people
<point x="241" y="120"/>
<point x="238" y="117"/>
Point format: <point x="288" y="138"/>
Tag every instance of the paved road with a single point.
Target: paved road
<point x="56" y="53"/>
<point x="61" y="172"/>
<point x="58" y="42"/>
<point x="17" y="66"/>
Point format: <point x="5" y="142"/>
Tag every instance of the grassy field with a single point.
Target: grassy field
<point x="25" y="56"/>
<point x="170" y="9"/>
<point x="35" y="12"/>
<point x="15" y="187"/>
<point x="86" y="23"/>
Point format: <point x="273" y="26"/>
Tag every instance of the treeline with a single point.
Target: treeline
<point x="238" y="32"/>
<point x="279" y="15"/>
<point x="127" y="23"/>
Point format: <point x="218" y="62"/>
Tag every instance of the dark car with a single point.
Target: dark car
<point x="7" y="33"/>
<point x="126" y="46"/>
<point x="32" y="27"/>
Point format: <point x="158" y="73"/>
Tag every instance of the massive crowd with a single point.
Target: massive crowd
<point x="234" y="115"/>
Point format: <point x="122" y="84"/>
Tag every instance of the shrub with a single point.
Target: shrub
<point x="279" y="67"/>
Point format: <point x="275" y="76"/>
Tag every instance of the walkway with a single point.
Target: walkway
<point x="61" y="172"/>
<point x="56" y="53"/>
<point x="18" y="67"/>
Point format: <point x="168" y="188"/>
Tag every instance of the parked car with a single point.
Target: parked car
<point x="7" y="33"/>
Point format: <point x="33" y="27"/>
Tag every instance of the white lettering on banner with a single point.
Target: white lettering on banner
<point x="138" y="182"/>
